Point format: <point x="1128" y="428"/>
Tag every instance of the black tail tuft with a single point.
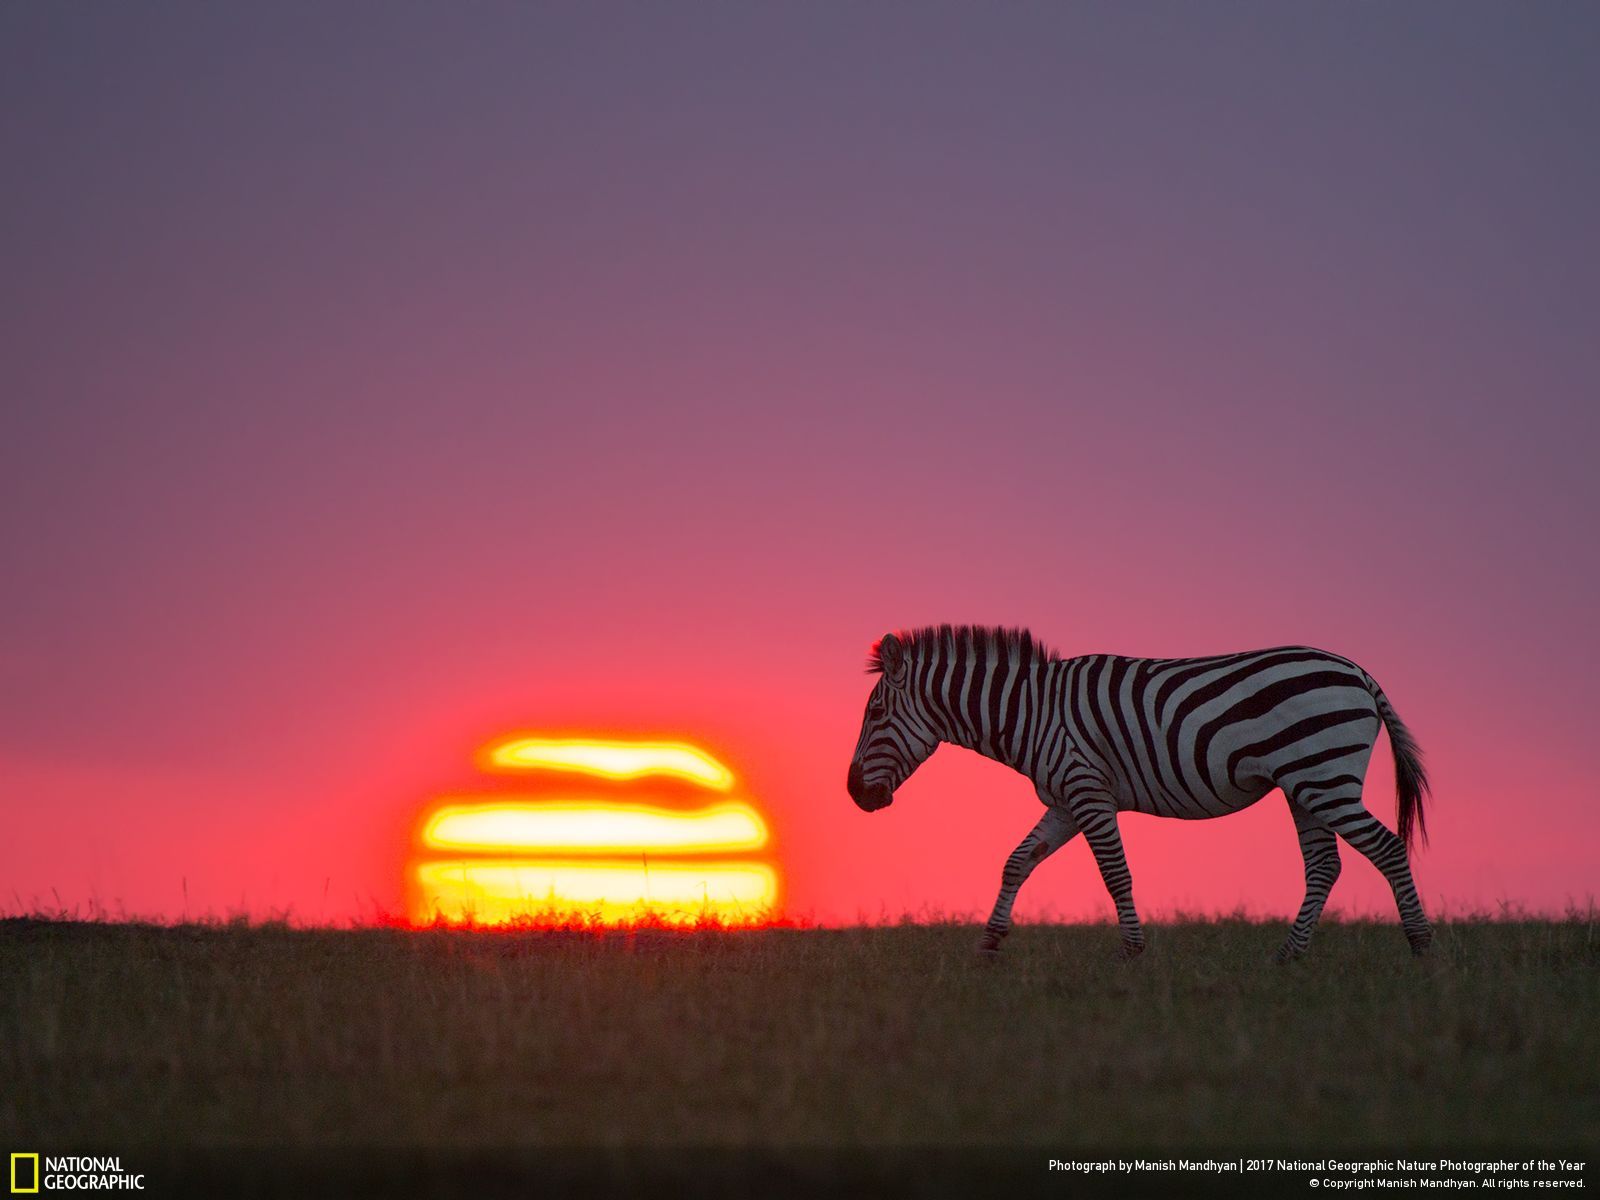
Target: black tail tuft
<point x="1410" y="776"/>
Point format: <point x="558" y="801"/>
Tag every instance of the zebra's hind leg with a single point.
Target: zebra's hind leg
<point x="1098" y="820"/>
<point x="1320" y="849"/>
<point x="1342" y="811"/>
<point x="1054" y="830"/>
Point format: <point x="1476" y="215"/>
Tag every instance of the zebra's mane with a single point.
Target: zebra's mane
<point x="951" y="640"/>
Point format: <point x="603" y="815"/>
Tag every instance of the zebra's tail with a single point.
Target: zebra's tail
<point x="1410" y="776"/>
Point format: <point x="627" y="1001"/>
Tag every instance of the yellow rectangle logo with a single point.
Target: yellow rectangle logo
<point x="15" y="1186"/>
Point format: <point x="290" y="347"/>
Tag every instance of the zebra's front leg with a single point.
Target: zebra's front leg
<point x="1054" y="830"/>
<point x="1098" y="820"/>
<point x="1320" y="849"/>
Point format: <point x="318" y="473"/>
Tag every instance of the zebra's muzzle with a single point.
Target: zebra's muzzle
<point x="867" y="798"/>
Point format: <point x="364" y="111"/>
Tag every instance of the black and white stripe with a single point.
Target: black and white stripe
<point x="1174" y="737"/>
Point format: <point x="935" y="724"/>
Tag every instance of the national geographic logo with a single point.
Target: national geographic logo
<point x="29" y="1181"/>
<point x="70" y="1173"/>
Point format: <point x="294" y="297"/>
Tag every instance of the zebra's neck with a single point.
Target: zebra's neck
<point x="998" y="717"/>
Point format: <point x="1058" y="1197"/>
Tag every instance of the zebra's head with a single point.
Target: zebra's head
<point x="896" y="735"/>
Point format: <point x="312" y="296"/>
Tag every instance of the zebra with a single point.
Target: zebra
<point x="1101" y="734"/>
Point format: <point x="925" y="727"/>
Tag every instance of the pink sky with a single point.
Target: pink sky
<point x="374" y="387"/>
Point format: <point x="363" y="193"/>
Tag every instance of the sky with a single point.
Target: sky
<point x="378" y="378"/>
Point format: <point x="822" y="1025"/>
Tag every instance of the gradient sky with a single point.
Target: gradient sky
<point x="380" y="377"/>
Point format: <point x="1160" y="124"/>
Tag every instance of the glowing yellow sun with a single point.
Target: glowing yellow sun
<point x="496" y="859"/>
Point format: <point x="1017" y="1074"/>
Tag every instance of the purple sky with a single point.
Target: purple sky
<point x="379" y="377"/>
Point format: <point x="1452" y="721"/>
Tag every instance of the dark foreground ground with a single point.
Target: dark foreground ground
<point x="116" y="1037"/>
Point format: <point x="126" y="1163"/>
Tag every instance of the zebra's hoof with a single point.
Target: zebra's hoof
<point x="1130" y="951"/>
<point x="1287" y="953"/>
<point x="1422" y="947"/>
<point x="988" y="948"/>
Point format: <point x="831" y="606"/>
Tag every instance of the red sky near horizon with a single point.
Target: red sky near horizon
<point x="380" y="382"/>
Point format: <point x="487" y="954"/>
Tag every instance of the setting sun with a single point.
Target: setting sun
<point x="497" y="859"/>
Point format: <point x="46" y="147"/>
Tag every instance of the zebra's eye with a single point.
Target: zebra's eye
<point x="876" y="707"/>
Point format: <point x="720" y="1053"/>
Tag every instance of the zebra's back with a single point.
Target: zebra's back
<point x="1200" y="737"/>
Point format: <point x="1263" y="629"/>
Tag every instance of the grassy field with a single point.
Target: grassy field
<point x="233" y="1035"/>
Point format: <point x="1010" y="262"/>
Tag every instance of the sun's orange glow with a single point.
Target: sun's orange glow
<point x="498" y="891"/>
<point x="496" y="859"/>
<point x="609" y="759"/>
<point x="592" y="827"/>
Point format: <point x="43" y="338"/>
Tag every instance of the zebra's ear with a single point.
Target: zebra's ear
<point x="893" y="657"/>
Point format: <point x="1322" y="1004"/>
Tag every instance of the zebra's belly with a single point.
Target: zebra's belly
<point x="1231" y="799"/>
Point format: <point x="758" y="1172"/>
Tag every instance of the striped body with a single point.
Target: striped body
<point x="1193" y="738"/>
<point x="1189" y="738"/>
